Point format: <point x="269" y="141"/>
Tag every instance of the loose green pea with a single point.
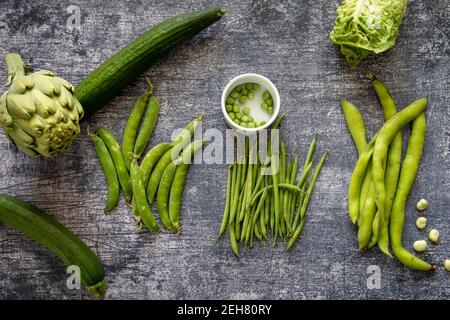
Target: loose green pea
<point x="259" y="124"/>
<point x="270" y="110"/>
<point x="238" y="115"/>
<point x="243" y="124"/>
<point x="251" y="119"/>
<point x="246" y="111"/>
<point x="250" y="95"/>
<point x="229" y="107"/>
<point x="256" y="86"/>
<point x="236" y="108"/>
<point x="263" y="123"/>
<point x="251" y="125"/>
<point x="244" y="118"/>
<point x="231" y="115"/>
<point x="243" y="99"/>
<point x="269" y="102"/>
<point x="237" y="121"/>
<point x="266" y="95"/>
<point x="238" y="89"/>
<point x="234" y="94"/>
<point x="249" y="86"/>
<point x="264" y="106"/>
<point x="230" y="100"/>
<point x="244" y="91"/>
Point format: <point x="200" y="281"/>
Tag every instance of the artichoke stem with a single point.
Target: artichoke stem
<point x="15" y="66"/>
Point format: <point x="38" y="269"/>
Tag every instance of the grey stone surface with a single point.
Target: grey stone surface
<point x="288" y="42"/>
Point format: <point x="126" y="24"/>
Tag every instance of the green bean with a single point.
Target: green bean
<point x="299" y="229"/>
<point x="131" y="128"/>
<point x="234" y="203"/>
<point x="118" y="159"/>
<point x="408" y="173"/>
<point x="179" y="180"/>
<point x="162" y="199"/>
<point x="284" y="186"/>
<point x="282" y="174"/>
<point x="147" y="126"/>
<point x="234" y="244"/>
<point x="286" y="196"/>
<point x="355" y="124"/>
<point x="384" y="138"/>
<point x="276" y="197"/>
<point x="299" y="204"/>
<point x="279" y="120"/>
<point x="392" y="164"/>
<point x="109" y="171"/>
<point x="151" y="158"/>
<point x="145" y="213"/>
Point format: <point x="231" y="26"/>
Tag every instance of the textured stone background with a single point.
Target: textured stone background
<point x="284" y="40"/>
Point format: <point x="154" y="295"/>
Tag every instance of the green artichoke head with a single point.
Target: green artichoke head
<point x="39" y="112"/>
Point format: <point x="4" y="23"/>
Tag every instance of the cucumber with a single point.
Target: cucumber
<point x="105" y="82"/>
<point x="58" y="239"/>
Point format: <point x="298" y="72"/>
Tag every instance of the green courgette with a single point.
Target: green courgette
<point x="100" y="86"/>
<point x="58" y="239"/>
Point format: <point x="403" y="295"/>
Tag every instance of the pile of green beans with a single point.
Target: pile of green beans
<point x="162" y="170"/>
<point x="380" y="182"/>
<point x="268" y="206"/>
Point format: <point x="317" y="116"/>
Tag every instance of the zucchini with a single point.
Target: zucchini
<point x="58" y="239"/>
<point x="105" y="82"/>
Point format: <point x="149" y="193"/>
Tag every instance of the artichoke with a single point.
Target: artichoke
<point x="39" y="112"/>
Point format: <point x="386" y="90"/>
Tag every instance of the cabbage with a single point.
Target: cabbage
<point x="367" y="26"/>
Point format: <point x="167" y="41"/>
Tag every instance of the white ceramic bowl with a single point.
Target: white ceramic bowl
<point x="263" y="82"/>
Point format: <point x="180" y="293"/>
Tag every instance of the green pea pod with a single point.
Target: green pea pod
<point x="145" y="213"/>
<point x="147" y="126"/>
<point x="162" y="200"/>
<point x="177" y="187"/>
<point x="178" y="144"/>
<point x="109" y="170"/>
<point x="132" y="126"/>
<point x="118" y="159"/>
<point x="151" y="158"/>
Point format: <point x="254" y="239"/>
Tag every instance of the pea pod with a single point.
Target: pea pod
<point x="131" y="128"/>
<point x="162" y="200"/>
<point x="144" y="211"/>
<point x="178" y="144"/>
<point x="109" y="171"/>
<point x="118" y="159"/>
<point x="177" y="187"/>
<point x="147" y="126"/>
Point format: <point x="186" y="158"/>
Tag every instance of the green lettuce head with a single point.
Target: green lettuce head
<point x="367" y="26"/>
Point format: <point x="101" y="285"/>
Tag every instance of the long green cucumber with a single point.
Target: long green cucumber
<point x="105" y="82"/>
<point x="44" y="229"/>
